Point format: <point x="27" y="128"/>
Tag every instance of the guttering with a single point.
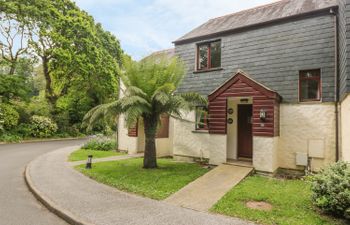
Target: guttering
<point x="323" y="11"/>
<point x="333" y="12"/>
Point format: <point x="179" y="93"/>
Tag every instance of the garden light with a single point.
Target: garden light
<point x="89" y="162"/>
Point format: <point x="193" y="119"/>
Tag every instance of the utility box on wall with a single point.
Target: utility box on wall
<point x="301" y="159"/>
<point x="316" y="148"/>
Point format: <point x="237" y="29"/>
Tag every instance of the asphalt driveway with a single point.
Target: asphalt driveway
<point x="18" y="205"/>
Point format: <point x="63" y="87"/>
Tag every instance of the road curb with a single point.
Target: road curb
<point x="43" y="140"/>
<point x="50" y="205"/>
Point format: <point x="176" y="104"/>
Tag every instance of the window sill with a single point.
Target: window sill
<point x="208" y="70"/>
<point x="200" y="131"/>
<point x="310" y="101"/>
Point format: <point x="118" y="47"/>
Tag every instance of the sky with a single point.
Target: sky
<point x="145" y="26"/>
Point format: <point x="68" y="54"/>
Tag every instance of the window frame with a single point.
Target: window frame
<point x="206" y="125"/>
<point x="318" y="79"/>
<point x="208" y="44"/>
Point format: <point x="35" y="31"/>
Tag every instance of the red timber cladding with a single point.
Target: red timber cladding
<point x="242" y="86"/>
<point x="133" y="130"/>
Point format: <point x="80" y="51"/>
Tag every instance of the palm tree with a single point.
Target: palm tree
<point x="150" y="92"/>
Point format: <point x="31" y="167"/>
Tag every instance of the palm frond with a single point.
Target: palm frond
<point x="104" y="111"/>
<point x="193" y="98"/>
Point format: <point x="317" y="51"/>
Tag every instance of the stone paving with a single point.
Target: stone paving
<point x="204" y="192"/>
<point x="106" y="159"/>
<point x="84" y="201"/>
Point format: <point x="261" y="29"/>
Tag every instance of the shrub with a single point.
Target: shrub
<point x="331" y="189"/>
<point x="101" y="144"/>
<point x="8" y="116"/>
<point x="42" y="127"/>
<point x="24" y="130"/>
<point x="10" y="138"/>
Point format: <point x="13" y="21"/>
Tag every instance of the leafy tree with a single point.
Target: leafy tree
<point x="12" y="86"/>
<point x="77" y="56"/>
<point x="14" y="39"/>
<point x="150" y="93"/>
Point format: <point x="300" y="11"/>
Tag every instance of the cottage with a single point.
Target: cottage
<point x="278" y="82"/>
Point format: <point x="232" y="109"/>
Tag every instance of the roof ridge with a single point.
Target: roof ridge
<point x="164" y="50"/>
<point x="250" y="9"/>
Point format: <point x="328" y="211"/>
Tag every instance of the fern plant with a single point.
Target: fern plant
<point x="150" y="91"/>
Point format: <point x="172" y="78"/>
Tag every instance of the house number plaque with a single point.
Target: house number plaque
<point x="230" y="121"/>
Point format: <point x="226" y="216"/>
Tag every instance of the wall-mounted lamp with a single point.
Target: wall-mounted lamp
<point x="262" y="115"/>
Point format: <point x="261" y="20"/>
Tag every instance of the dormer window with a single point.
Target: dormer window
<point x="209" y="55"/>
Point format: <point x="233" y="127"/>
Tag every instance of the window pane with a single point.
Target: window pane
<point x="215" y="54"/>
<point x="201" y="118"/>
<point x="309" y="89"/>
<point x="203" y="57"/>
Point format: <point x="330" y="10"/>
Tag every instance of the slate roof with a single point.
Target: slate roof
<point x="270" y="12"/>
<point x="167" y="52"/>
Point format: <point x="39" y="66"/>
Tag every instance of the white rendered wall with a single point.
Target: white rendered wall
<point x="303" y="125"/>
<point x="345" y="129"/>
<point x="189" y="143"/>
<point x="126" y="143"/>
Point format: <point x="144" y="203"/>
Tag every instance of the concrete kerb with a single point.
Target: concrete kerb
<point x="45" y="140"/>
<point x="72" y="217"/>
<point x="54" y="208"/>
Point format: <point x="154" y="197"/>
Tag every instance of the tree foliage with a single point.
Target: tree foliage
<point x="56" y="42"/>
<point x="149" y="93"/>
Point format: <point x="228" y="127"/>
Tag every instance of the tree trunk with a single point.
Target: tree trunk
<point x="150" y="155"/>
<point x="49" y="95"/>
<point x="13" y="68"/>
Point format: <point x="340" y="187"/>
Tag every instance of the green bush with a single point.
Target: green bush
<point x="24" y="130"/>
<point x="9" y="138"/>
<point x="42" y="127"/>
<point x="331" y="189"/>
<point x="101" y="144"/>
<point x="8" y="116"/>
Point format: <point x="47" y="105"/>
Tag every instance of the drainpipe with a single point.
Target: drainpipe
<point x="336" y="82"/>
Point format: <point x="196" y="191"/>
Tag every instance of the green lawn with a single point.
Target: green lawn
<point x="128" y="175"/>
<point x="82" y="154"/>
<point x="290" y="200"/>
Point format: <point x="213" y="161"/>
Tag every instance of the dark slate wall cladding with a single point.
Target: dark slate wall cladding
<point x="271" y="55"/>
<point x="344" y="46"/>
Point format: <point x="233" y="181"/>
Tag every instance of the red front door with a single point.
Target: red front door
<point x="245" y="137"/>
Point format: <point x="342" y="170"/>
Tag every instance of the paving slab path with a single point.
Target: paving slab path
<point x="106" y="159"/>
<point x="82" y="200"/>
<point x="204" y="192"/>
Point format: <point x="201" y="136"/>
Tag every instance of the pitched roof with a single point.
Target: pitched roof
<point x="169" y="53"/>
<point x="241" y="75"/>
<point x="261" y="14"/>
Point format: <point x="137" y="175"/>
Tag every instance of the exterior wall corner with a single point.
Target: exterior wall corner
<point x="265" y="153"/>
<point x="345" y="129"/>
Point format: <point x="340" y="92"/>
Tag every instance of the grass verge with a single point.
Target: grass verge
<point x="82" y="154"/>
<point x="290" y="199"/>
<point x="128" y="175"/>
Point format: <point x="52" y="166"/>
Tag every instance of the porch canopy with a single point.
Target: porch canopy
<point x="241" y="85"/>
